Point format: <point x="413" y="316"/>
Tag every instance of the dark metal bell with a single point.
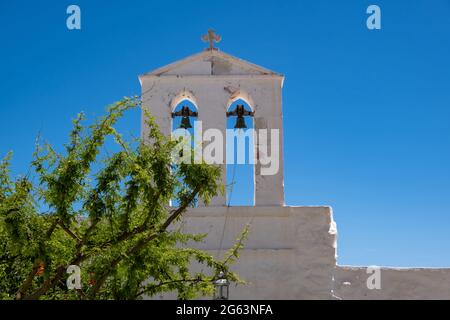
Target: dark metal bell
<point x="185" y="123"/>
<point x="240" y="123"/>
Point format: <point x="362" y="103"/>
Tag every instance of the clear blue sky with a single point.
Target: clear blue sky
<point x="366" y="113"/>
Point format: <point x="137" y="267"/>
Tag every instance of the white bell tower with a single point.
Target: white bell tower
<point x="212" y="80"/>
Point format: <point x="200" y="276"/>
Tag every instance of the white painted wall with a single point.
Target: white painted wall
<point x="396" y="283"/>
<point x="289" y="254"/>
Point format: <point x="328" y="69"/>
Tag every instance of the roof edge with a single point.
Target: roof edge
<point x="159" y="71"/>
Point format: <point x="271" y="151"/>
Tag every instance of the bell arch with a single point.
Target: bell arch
<point x="239" y="94"/>
<point x="183" y="95"/>
<point x="240" y="152"/>
<point x="184" y="114"/>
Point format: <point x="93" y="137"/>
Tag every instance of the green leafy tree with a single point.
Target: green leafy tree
<point x="113" y="222"/>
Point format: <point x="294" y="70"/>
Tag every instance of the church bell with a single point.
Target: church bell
<point x="239" y="112"/>
<point x="185" y="123"/>
<point x="185" y="113"/>
<point x="240" y="123"/>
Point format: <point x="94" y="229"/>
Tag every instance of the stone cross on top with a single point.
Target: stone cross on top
<point x="211" y="37"/>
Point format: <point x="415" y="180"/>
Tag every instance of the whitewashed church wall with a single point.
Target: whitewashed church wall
<point x="396" y="283"/>
<point x="289" y="254"/>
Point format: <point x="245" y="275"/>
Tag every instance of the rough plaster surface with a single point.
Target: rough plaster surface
<point x="289" y="254"/>
<point x="396" y="283"/>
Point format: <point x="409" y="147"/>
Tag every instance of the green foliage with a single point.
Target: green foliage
<point x="115" y="222"/>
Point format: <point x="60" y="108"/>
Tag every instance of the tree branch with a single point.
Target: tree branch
<point x="50" y="283"/>
<point x="146" y="289"/>
<point x="143" y="242"/>
<point x="126" y="235"/>
<point x="68" y="231"/>
<point x="29" y="280"/>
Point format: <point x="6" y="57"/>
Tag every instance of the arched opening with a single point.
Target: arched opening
<point x="179" y="120"/>
<point x="240" y="154"/>
<point x="184" y="118"/>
